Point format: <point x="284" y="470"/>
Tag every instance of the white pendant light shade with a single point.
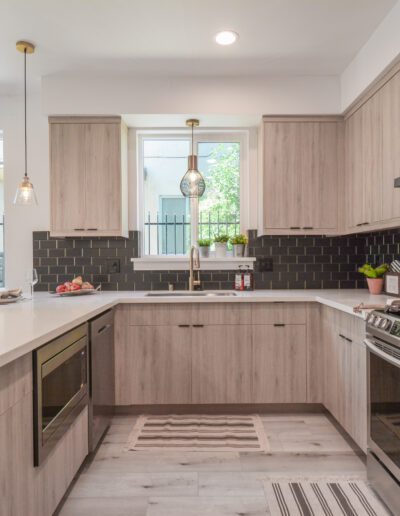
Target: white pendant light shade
<point x="25" y="194"/>
<point x="192" y="183"/>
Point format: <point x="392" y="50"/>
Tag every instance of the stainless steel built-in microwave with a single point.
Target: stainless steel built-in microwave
<point x="60" y="388"/>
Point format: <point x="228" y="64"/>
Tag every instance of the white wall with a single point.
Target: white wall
<point x="376" y="55"/>
<point x="21" y="221"/>
<point x="70" y="94"/>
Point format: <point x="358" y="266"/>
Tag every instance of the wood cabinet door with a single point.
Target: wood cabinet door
<point x="279" y="364"/>
<point x="346" y="372"/>
<point x="67" y="177"/>
<point x="391" y="148"/>
<point x="283" y="147"/>
<point x="354" y="171"/>
<point x="221" y="364"/>
<point x="319" y="172"/>
<point x="358" y="385"/>
<point x="364" y="164"/>
<point x="153" y="365"/>
<point x="371" y="156"/>
<point x="103" y="176"/>
<point x="331" y="360"/>
<point x="301" y="175"/>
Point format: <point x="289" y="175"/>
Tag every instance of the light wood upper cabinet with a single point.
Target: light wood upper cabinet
<point x="364" y="164"/>
<point x="371" y="113"/>
<point x="391" y="148"/>
<point x="301" y="160"/>
<point x="354" y="182"/>
<point x="67" y="155"/>
<point x="88" y="176"/>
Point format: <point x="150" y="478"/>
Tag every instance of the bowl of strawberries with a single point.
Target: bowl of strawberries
<point x="76" y="287"/>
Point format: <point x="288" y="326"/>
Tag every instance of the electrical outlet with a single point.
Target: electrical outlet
<point x="113" y="265"/>
<point x="265" y="264"/>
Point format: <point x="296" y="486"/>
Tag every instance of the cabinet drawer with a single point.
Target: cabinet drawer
<point x="221" y="313"/>
<point x="156" y="314"/>
<point x="278" y="313"/>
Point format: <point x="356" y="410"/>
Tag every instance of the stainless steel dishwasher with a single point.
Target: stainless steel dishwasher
<point x="102" y="377"/>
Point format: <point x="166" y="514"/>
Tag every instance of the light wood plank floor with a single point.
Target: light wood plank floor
<point x="121" y="483"/>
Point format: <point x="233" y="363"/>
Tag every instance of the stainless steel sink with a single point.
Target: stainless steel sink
<point x="187" y="293"/>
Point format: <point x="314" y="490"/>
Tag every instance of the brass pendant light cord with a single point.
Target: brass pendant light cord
<point x="26" y="141"/>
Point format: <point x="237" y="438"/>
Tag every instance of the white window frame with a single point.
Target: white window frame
<point x="201" y="136"/>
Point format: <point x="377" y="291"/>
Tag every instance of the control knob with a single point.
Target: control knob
<point x="385" y="324"/>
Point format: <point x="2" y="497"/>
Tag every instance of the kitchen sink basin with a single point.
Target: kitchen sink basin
<point x="190" y="294"/>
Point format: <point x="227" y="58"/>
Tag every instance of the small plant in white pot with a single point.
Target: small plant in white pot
<point x="204" y="247"/>
<point x="374" y="276"/>
<point x="239" y="243"/>
<point x="221" y="245"/>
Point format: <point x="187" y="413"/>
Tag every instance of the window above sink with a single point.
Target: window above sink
<point x="170" y="223"/>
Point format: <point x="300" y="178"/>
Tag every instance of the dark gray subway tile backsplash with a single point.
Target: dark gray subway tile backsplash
<point x="298" y="262"/>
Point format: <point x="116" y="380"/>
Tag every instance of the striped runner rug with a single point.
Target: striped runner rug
<point x="330" y="498"/>
<point x="199" y="433"/>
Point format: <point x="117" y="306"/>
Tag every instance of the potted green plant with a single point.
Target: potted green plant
<point x="204" y="247"/>
<point x="239" y="243"/>
<point x="221" y="242"/>
<point x="374" y="276"/>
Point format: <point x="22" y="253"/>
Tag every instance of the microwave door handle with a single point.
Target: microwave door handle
<point x="371" y="346"/>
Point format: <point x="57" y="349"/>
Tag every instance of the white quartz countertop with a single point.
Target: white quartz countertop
<point x="28" y="324"/>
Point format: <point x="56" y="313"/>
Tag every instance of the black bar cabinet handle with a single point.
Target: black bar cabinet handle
<point x="198" y="325"/>
<point x="279" y="325"/>
<point x="184" y="325"/>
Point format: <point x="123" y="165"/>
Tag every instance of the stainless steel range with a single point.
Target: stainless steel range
<point x="383" y="461"/>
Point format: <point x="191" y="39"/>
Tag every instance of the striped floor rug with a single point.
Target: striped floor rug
<point x="199" y="433"/>
<point x="330" y="498"/>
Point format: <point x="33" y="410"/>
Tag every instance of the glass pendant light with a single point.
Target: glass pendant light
<point x="192" y="184"/>
<point x="25" y="194"/>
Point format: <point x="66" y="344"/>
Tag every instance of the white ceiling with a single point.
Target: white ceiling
<point x="175" y="37"/>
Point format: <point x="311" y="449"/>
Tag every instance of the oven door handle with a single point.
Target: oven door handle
<point x="371" y="346"/>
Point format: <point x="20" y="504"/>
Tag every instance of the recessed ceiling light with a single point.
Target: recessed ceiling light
<point x="226" y="37"/>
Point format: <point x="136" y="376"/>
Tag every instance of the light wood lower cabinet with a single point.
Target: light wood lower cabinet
<point x="24" y="489"/>
<point x="279" y="364"/>
<point x="153" y="365"/>
<point x="221" y="364"/>
<point x="174" y="354"/>
<point x="198" y="354"/>
<point x="346" y="372"/>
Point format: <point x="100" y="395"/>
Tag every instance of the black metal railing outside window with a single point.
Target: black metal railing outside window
<point x="170" y="234"/>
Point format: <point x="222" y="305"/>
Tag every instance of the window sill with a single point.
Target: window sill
<point x="181" y="263"/>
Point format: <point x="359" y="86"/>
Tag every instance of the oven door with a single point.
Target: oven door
<point x="61" y="388"/>
<point x="384" y="402"/>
